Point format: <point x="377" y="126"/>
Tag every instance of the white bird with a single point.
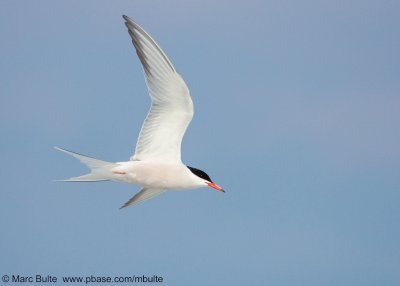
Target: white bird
<point x="156" y="164"/>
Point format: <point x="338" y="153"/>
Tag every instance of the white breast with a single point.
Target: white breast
<point x="156" y="175"/>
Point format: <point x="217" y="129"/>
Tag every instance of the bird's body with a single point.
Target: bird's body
<point x="155" y="174"/>
<point x="156" y="164"/>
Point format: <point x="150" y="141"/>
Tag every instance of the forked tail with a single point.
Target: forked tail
<point x="99" y="169"/>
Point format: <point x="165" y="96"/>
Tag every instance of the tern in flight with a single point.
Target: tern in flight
<point x="156" y="165"/>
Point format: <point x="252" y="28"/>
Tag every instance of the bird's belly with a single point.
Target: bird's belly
<point x="148" y="174"/>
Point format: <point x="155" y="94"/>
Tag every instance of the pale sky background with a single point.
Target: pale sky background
<point x="297" y="117"/>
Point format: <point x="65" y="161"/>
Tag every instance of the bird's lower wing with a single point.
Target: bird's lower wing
<point x="144" y="194"/>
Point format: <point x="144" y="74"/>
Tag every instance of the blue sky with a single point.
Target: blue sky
<point x="297" y="117"/>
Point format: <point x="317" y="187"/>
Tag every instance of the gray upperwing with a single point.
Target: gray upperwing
<point x="144" y="194"/>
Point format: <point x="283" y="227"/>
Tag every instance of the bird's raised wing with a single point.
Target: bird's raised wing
<point x="171" y="105"/>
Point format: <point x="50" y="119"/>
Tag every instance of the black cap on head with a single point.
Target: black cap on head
<point x="200" y="173"/>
